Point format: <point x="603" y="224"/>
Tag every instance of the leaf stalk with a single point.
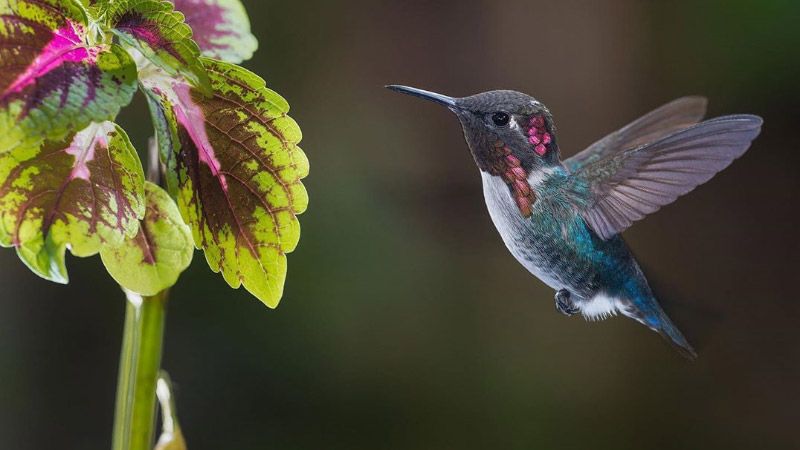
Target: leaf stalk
<point x="140" y="361"/>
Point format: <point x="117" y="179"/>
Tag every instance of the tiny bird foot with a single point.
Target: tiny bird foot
<point x="564" y="303"/>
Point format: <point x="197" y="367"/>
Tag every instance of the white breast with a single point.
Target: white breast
<point x="513" y="227"/>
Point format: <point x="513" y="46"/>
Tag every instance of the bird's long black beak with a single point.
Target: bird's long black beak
<point x="450" y="102"/>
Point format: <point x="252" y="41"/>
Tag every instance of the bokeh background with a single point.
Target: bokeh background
<point x="405" y="323"/>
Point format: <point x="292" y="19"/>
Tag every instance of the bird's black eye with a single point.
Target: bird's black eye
<point x="500" y="119"/>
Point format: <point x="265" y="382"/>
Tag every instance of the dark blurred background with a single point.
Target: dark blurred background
<point x="406" y="324"/>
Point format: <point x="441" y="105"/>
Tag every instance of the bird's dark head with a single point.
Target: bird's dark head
<point x="505" y="130"/>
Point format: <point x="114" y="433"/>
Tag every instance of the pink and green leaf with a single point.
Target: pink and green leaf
<point x="156" y="30"/>
<point x="79" y="193"/>
<point x="221" y="28"/>
<point x="237" y="172"/>
<point x="152" y="260"/>
<point x="52" y="82"/>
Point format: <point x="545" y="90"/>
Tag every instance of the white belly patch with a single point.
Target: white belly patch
<point x="600" y="307"/>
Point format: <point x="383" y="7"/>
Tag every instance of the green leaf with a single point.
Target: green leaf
<point x="96" y="3"/>
<point x="152" y="260"/>
<point x="49" y="14"/>
<point x="95" y="9"/>
<point x="157" y="31"/>
<point x="221" y="28"/>
<point x="236" y="172"/>
<point x="52" y="82"/>
<point x="82" y="192"/>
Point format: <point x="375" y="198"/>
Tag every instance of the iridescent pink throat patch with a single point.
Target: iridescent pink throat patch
<point x="509" y="168"/>
<point x="538" y="135"/>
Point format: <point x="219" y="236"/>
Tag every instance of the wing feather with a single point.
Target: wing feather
<point x="673" y="116"/>
<point x="625" y="186"/>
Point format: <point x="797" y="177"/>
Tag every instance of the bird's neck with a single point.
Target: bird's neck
<point x="523" y="178"/>
<point x="508" y="215"/>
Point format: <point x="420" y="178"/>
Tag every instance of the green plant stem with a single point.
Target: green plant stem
<point x="140" y="360"/>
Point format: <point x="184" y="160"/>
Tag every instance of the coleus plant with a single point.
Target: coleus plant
<point x="228" y="168"/>
<point x="70" y="178"/>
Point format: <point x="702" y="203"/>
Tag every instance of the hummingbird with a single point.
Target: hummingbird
<point x="562" y="219"/>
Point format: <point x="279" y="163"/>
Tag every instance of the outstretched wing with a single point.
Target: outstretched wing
<point x="675" y="115"/>
<point x="627" y="185"/>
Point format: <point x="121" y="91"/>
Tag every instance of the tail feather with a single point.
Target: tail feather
<point x="650" y="314"/>
<point x="670" y="332"/>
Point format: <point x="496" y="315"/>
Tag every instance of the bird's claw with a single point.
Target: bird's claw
<point x="564" y="303"/>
